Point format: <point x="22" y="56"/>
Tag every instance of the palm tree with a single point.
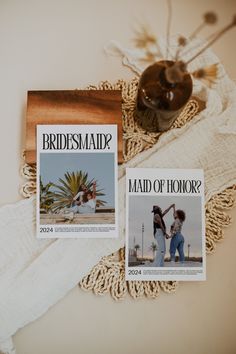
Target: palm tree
<point x="64" y="192"/>
<point x="46" y="199"/>
<point x="153" y="248"/>
<point x="136" y="247"/>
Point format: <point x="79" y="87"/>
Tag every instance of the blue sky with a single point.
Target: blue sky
<point x="99" y="166"/>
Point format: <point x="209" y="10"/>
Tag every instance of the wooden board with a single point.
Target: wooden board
<point x="71" y="107"/>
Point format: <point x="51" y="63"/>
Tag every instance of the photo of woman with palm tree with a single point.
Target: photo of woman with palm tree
<point x="77" y="188"/>
<point x="85" y="205"/>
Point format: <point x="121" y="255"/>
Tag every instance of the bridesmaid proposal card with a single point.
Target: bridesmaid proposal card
<point x="165" y="230"/>
<point x="77" y="181"/>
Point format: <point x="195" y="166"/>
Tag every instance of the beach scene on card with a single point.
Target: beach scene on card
<point x="77" y="181"/>
<point x="165" y="224"/>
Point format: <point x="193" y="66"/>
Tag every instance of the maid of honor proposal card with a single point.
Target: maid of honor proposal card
<point x="165" y="224"/>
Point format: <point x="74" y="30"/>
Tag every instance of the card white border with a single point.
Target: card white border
<point x="165" y="173"/>
<point x="108" y="128"/>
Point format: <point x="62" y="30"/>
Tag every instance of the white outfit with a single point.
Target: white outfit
<point x="161" y="250"/>
<point x="88" y="207"/>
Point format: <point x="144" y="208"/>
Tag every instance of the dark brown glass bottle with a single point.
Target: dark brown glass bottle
<point x="159" y="102"/>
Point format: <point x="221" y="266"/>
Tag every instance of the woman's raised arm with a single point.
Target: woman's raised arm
<point x="168" y="209"/>
<point x="94" y="190"/>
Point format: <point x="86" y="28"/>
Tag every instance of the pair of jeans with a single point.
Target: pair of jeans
<point x="177" y="243"/>
<point x="161" y="248"/>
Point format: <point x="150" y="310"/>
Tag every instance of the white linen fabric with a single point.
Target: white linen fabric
<point x="35" y="274"/>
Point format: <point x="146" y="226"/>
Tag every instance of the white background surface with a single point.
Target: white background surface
<point x="57" y="44"/>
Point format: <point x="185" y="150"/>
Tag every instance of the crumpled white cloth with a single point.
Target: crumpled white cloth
<point x="35" y="274"/>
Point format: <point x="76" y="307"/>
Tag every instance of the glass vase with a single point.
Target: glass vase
<point x="159" y="101"/>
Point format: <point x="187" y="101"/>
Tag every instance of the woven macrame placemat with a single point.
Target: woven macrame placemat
<point x="108" y="276"/>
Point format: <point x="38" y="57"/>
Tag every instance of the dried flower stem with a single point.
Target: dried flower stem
<point x="214" y="39"/>
<point x="187" y="50"/>
<point x="197" y="30"/>
<point x="209" y="38"/>
<point x="209" y="18"/>
<point x="168" y="27"/>
<point x="207" y="74"/>
<point x="147" y="41"/>
<point x="177" y="53"/>
<point x="181" y="44"/>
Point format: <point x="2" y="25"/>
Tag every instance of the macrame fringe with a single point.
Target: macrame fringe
<point x="29" y="173"/>
<point x="108" y="276"/>
<point x="217" y="218"/>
